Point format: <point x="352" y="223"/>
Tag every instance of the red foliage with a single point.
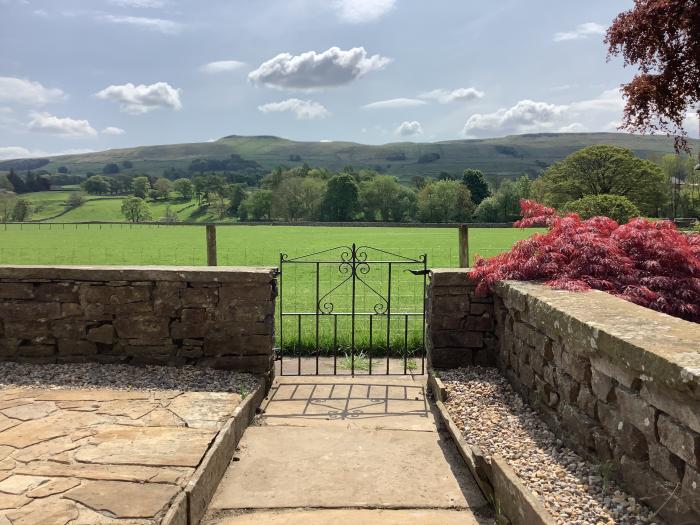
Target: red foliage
<point x="535" y="214"/>
<point x="649" y="263"/>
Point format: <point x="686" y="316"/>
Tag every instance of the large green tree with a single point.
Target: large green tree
<point x="445" y="201"/>
<point x="135" y="209"/>
<point x="141" y="185"/>
<point x="378" y="197"/>
<point x="476" y="184"/>
<point x="185" y="188"/>
<point x="96" y="185"/>
<point x="605" y="170"/>
<point x="341" y="201"/>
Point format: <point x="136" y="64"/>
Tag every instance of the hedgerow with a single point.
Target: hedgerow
<point x="650" y="263"/>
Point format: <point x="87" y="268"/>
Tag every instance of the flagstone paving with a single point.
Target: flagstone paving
<point x="101" y="456"/>
<point x="362" y="450"/>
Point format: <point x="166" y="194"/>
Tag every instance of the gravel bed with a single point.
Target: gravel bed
<point x="491" y="415"/>
<point x="124" y="377"/>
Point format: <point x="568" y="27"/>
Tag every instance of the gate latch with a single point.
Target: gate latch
<point x="420" y="272"/>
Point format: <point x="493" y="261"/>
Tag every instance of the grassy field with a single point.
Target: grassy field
<point x="50" y="206"/>
<point x="261" y="246"/>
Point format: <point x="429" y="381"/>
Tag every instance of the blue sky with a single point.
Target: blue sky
<point x="81" y="75"/>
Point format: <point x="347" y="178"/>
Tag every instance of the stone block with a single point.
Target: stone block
<point x="450" y="277"/>
<point x="253" y="364"/>
<point x="66" y="292"/>
<point x="166" y="297"/>
<point x="181" y="330"/>
<point x="527" y="376"/>
<point x="602" y="385"/>
<point x="101" y="334"/>
<point x="76" y="347"/>
<point x="457" y="339"/>
<point x="656" y="492"/>
<point x="549" y="375"/>
<point x="669" y="465"/>
<point x="683" y="407"/>
<point x="626" y="436"/>
<point x="451" y="357"/>
<point x="691" y="488"/>
<point x="586" y="401"/>
<point x="578" y="425"/>
<point x="618" y="372"/>
<point x="29" y="311"/>
<point x="140" y="326"/>
<point x="568" y="387"/>
<point x="71" y="310"/>
<point x="8" y="347"/>
<point x="96" y="294"/>
<point x="194" y="315"/>
<point x="68" y="328"/>
<point x="27" y="329"/>
<point x="482" y="323"/>
<point x="680" y="440"/>
<point x="637" y="411"/>
<point x="481" y="308"/>
<point x="537" y="361"/>
<point x="36" y="350"/>
<point x="16" y="291"/>
<point x="577" y="367"/>
<point x="199" y="297"/>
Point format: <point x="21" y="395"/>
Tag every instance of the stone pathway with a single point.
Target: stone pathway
<point x="360" y="450"/>
<point x="100" y="456"/>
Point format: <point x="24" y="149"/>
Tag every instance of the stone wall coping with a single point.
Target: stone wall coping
<point x="659" y="347"/>
<point x="221" y="274"/>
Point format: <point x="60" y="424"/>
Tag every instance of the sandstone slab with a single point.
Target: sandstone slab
<point x="123" y="499"/>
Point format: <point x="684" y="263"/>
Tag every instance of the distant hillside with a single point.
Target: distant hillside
<point x="498" y="158"/>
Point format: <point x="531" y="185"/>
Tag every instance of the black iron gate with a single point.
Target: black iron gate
<point x="351" y="310"/>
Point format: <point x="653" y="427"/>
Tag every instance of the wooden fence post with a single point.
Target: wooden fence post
<point x="464" y="246"/>
<point x="211" y="244"/>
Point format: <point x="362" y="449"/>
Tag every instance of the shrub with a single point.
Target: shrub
<point x="649" y="263"/>
<point x="617" y="207"/>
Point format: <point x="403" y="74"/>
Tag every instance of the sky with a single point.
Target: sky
<point x="89" y="75"/>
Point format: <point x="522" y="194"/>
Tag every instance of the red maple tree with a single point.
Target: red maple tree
<point x="661" y="38"/>
<point x="650" y="263"/>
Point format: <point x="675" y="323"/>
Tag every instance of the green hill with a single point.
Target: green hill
<point x="498" y="158"/>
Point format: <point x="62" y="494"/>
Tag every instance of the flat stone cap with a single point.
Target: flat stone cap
<point x="660" y="347"/>
<point x="221" y="274"/>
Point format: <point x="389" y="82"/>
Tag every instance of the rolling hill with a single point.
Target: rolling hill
<point x="498" y="158"/>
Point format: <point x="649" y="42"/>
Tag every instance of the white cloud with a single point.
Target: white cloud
<point x="23" y="91"/>
<point x="303" y="109"/>
<point x="43" y="13"/>
<point x="139" y="3"/>
<point x="19" y="152"/>
<point x="63" y="126"/>
<point x="445" y="96"/>
<point x="410" y="129"/>
<point x="312" y="70"/>
<point x="154" y="24"/>
<point x="222" y="66"/>
<point x="395" y="103"/>
<point x="111" y="130"/>
<point x="325" y="140"/>
<point x="14" y="152"/>
<point x="142" y="98"/>
<point x="574" y="127"/>
<point x="526" y="115"/>
<point x="359" y="11"/>
<point x="582" y="31"/>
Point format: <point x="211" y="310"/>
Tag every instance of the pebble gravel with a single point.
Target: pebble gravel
<point x="493" y="416"/>
<point x="124" y="377"/>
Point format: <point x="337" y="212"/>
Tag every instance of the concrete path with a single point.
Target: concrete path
<point x="362" y="450"/>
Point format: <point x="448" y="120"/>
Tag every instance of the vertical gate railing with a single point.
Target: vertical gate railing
<point x="351" y="268"/>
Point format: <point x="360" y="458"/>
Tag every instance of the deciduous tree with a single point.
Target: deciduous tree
<point x="135" y="209"/>
<point x="661" y="38"/>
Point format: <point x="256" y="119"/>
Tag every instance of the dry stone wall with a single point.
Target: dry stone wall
<point x="218" y="318"/>
<point x="620" y="383"/>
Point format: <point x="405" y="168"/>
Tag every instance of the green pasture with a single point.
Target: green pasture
<point x="124" y="244"/>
